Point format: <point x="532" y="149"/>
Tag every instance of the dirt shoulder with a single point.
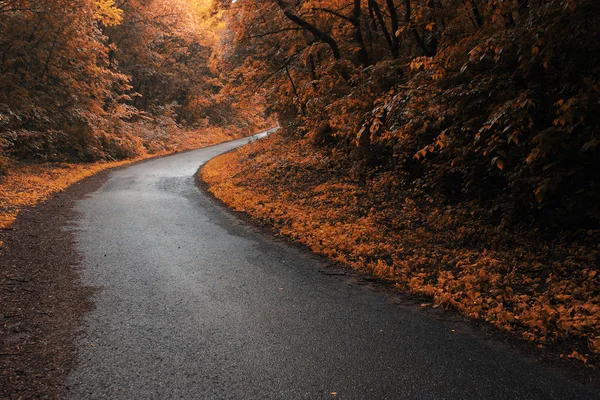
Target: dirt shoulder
<point x="520" y="286"/>
<point x="43" y="300"/>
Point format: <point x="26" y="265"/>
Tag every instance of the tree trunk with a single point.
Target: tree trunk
<point x="377" y="11"/>
<point x="363" y="55"/>
<point x="317" y="33"/>
<point x="394" y="20"/>
<point x="418" y="38"/>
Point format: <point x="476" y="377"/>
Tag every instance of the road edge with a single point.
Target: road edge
<point x="485" y="332"/>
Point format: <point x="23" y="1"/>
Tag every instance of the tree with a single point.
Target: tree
<point x="491" y="95"/>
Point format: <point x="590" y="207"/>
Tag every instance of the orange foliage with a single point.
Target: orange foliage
<point x="544" y="289"/>
<point x="101" y="80"/>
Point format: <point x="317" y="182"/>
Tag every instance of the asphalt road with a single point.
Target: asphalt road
<point x="194" y="304"/>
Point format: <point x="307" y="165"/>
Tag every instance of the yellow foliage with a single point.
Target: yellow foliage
<point x="107" y="12"/>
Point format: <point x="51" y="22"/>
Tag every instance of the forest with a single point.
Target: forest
<point x="99" y="80"/>
<point x="489" y="100"/>
<point x="494" y="101"/>
<point x="459" y="136"/>
<point x="446" y="146"/>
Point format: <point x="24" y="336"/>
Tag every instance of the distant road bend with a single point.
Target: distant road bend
<point x="194" y="304"/>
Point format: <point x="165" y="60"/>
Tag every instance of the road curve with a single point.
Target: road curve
<point x="193" y="304"/>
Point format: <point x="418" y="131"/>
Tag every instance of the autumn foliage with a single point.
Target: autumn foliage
<point x="448" y="145"/>
<point x="87" y="85"/>
<point x="487" y="101"/>
<point x="545" y="290"/>
<point x="99" y="80"/>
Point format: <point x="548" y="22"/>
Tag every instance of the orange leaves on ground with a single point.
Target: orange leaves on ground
<point x="545" y="290"/>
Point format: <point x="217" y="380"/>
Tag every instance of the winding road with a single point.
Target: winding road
<point x="194" y="304"/>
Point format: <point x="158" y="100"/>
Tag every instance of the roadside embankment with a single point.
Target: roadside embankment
<point x="545" y="289"/>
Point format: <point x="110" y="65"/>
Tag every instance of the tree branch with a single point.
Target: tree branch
<point x="272" y="33"/>
<point x="337" y="14"/>
<point x="317" y="33"/>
